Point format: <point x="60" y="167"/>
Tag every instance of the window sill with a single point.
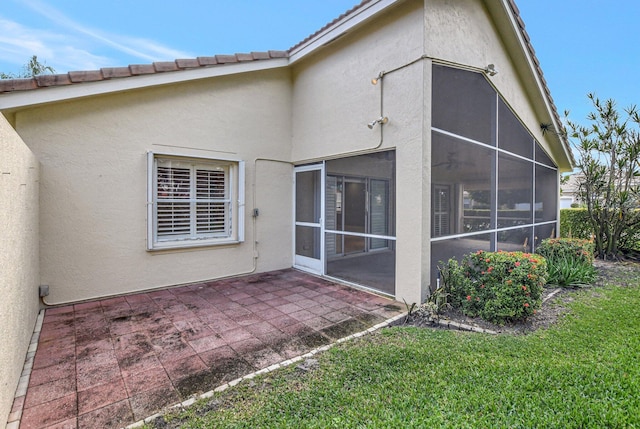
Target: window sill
<point x="175" y="245"/>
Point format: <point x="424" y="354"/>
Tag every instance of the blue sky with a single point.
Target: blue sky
<point x="583" y="45"/>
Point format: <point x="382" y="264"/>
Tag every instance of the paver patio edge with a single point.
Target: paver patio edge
<point x="274" y="367"/>
<point x="13" y="422"/>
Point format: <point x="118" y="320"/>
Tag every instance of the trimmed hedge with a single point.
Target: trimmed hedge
<point x="574" y="223"/>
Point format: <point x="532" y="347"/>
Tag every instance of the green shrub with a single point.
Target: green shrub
<point x="630" y="237"/>
<point x="499" y="287"/>
<point x="566" y="272"/>
<point x="574" y="223"/>
<point x="578" y="249"/>
<point x="569" y="261"/>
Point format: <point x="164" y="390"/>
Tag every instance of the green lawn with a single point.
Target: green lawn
<point x="582" y="373"/>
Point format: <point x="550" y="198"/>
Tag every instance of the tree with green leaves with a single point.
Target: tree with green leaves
<point x="609" y="173"/>
<point x="33" y="68"/>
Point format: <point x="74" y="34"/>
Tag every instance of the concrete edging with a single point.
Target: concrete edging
<point x="13" y="422"/>
<point x="187" y="403"/>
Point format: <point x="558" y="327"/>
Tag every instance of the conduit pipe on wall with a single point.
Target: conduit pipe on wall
<point x="382" y="121"/>
<point x="379" y="80"/>
<point x="254" y="253"/>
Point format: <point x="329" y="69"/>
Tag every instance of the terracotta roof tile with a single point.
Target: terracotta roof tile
<point x="244" y="57"/>
<point x="85" y="76"/>
<point x="53" y="80"/>
<point x="514" y="7"/>
<point x="525" y="35"/>
<point x="138" y="69"/>
<point x="349" y="12"/>
<point x="107" y="73"/>
<point x="224" y="59"/>
<point x="260" y="55"/>
<point x="10" y="85"/>
<point x="188" y="63"/>
<point x="165" y="66"/>
<point x="115" y="72"/>
<point x="278" y="54"/>
<point x="207" y="61"/>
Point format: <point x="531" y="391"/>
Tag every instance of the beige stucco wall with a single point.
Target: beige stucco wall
<point x="92" y="151"/>
<point x="334" y="100"/>
<point x="94" y="181"/>
<point x="19" y="272"/>
<point x="464" y="32"/>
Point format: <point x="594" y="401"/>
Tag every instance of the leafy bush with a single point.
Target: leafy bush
<point x="569" y="261"/>
<point x="499" y="287"/>
<point x="567" y="273"/>
<point x="608" y="150"/>
<point x="574" y="223"/>
<point x="630" y="237"/>
<point x="577" y="249"/>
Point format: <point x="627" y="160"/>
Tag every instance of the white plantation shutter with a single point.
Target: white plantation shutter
<point x="379" y="209"/>
<point x="212" y="201"/>
<point x="441" y="211"/>
<point x="173" y="207"/>
<point x="330" y="217"/>
<point x="191" y="200"/>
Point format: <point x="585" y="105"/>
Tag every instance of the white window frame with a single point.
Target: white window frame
<point x="234" y="200"/>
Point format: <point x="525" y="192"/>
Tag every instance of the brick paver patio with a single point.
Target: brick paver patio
<point x="112" y="362"/>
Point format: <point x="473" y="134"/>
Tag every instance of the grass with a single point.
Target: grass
<point x="582" y="373"/>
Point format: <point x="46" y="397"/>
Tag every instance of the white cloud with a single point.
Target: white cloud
<point x="69" y="46"/>
<point x="18" y="43"/>
<point x="140" y="48"/>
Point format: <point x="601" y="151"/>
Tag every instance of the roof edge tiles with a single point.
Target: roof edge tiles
<point x="108" y="73"/>
<point x="540" y="73"/>
<point x="330" y="24"/>
<point x="78" y="77"/>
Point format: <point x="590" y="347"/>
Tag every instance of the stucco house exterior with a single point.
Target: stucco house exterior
<point x="401" y="134"/>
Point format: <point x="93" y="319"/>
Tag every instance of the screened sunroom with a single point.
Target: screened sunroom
<point x="345" y="220"/>
<point x="493" y="186"/>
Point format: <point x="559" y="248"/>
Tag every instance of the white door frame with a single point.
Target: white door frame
<point x="306" y="263"/>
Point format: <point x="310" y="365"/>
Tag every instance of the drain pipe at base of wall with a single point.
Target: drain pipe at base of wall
<point x="382" y="120"/>
<point x="44" y="289"/>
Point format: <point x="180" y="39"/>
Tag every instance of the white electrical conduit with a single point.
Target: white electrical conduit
<point x="381" y="121"/>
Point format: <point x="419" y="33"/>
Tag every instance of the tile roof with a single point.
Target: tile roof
<point x="545" y="86"/>
<point x="532" y="52"/>
<point x="107" y="73"/>
<point x="330" y="24"/>
<point x="76" y="77"/>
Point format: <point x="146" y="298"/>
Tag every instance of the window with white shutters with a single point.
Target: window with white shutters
<point x="191" y="201"/>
